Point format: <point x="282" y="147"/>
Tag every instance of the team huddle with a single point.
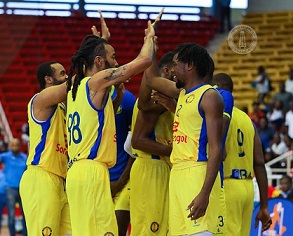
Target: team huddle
<point x="179" y="160"/>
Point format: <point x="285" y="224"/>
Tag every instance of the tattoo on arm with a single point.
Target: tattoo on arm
<point x="113" y="74"/>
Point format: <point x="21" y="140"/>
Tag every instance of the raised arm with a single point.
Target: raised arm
<point x="47" y="99"/>
<point x="263" y="214"/>
<point x="144" y="126"/>
<point x="109" y="77"/>
<point x="105" y="30"/>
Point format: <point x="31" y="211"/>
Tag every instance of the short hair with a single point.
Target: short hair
<point x="166" y="60"/>
<point x="223" y="81"/>
<point x="287" y="177"/>
<point x="192" y="53"/>
<point x="45" y="69"/>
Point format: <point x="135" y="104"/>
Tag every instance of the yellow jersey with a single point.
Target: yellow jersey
<point x="190" y="141"/>
<point x="239" y="147"/>
<point x="162" y="133"/>
<point x="91" y="132"/>
<point x="48" y="144"/>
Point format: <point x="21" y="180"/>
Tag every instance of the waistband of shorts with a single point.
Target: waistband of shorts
<point x="226" y="178"/>
<point x="89" y="162"/>
<point x="188" y="164"/>
<point x="38" y="168"/>
<point x="141" y="159"/>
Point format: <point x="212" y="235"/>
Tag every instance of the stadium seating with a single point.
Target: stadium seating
<point x="27" y="41"/>
<point x="274" y="51"/>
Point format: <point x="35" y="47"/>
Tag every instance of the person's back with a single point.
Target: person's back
<point x="89" y="127"/>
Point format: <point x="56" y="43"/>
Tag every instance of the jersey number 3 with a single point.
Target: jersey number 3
<point x="73" y="128"/>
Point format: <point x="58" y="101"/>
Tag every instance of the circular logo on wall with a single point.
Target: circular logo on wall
<point x="242" y="39"/>
<point x="47" y="231"/>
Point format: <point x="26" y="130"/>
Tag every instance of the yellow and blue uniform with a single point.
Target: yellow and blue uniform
<point x="92" y="150"/>
<point x="42" y="185"/>
<point x="189" y="158"/>
<point x="238" y="173"/>
<point x="123" y="118"/>
<point x="149" y="180"/>
<point x="228" y="107"/>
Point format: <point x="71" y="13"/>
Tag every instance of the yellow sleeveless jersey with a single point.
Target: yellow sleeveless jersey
<point x="48" y="144"/>
<point x="239" y="146"/>
<point x="162" y="133"/>
<point x="91" y="132"/>
<point x="189" y="127"/>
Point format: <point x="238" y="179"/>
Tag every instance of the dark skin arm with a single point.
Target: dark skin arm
<point x="212" y="105"/>
<point x="120" y="89"/>
<point x="263" y="214"/>
<point x="118" y="185"/>
<point x="145" y="123"/>
<point x="46" y="101"/>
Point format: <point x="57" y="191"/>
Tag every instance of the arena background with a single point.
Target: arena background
<point x="32" y="32"/>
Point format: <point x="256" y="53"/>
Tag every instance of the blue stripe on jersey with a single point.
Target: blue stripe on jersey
<point x="95" y="148"/>
<point x="101" y="115"/>
<point x="194" y="88"/>
<point x="45" y="127"/>
<point x="153" y="137"/>
<point x="202" y="142"/>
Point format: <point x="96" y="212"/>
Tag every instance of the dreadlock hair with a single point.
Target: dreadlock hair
<point x="44" y="70"/>
<point x="166" y="59"/>
<point x="195" y="54"/>
<point x="83" y="59"/>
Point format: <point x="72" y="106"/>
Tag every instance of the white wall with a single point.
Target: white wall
<point x="269" y="5"/>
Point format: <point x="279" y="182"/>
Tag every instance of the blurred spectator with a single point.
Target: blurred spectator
<point x="289" y="82"/>
<point x="266" y="134"/>
<point x="289" y="120"/>
<point x="277" y="148"/>
<point x="286" y="188"/>
<point x="3" y="143"/>
<point x="14" y="165"/>
<point x="25" y="138"/>
<point x="256" y="114"/>
<point x="276" y="116"/>
<point x="283" y="96"/>
<point x="2" y="195"/>
<point x="262" y="84"/>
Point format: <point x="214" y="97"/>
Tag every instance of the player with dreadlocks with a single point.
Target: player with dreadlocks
<point x="91" y="131"/>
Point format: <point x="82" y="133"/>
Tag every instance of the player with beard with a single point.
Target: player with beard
<point x="91" y="131"/>
<point x="42" y="184"/>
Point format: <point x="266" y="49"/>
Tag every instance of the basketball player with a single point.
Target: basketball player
<point x="119" y="174"/>
<point x="42" y="185"/>
<point x="228" y="106"/>
<point x="91" y="131"/>
<point x="198" y="118"/>
<point x="244" y="158"/>
<point x="149" y="177"/>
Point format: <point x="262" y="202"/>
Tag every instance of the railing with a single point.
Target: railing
<point x="6" y="126"/>
<point x="277" y="173"/>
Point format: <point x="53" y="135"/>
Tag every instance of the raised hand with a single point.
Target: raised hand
<point x="95" y="31"/>
<point x="158" y="19"/>
<point x="105" y="30"/>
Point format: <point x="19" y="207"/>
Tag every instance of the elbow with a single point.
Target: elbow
<point x="135" y="142"/>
